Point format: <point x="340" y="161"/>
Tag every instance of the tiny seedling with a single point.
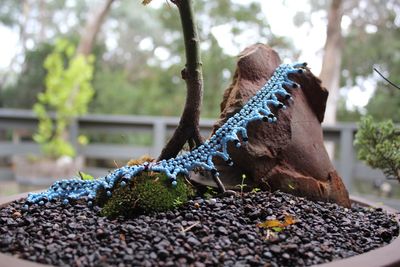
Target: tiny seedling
<point x="177" y="202"/>
<point x="255" y="190"/>
<point x="291" y="186"/>
<point x="242" y="185"/>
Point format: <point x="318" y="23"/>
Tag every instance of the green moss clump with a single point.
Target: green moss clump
<point x="149" y="192"/>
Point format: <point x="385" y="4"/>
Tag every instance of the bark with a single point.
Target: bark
<point x="188" y="128"/>
<point x="23" y="36"/>
<point x="331" y="63"/>
<point x="42" y="20"/>
<point x="92" y="28"/>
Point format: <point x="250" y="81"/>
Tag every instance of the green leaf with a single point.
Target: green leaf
<point x="277" y="229"/>
<point x="85" y="176"/>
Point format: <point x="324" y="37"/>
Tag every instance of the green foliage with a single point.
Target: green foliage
<point x="385" y="103"/>
<point x="148" y="192"/>
<point x="68" y="93"/>
<point x="379" y="146"/>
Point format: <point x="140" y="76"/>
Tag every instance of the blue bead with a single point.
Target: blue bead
<point x="174" y="183"/>
<point x="65" y="201"/>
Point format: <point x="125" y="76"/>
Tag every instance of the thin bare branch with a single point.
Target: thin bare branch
<point x="386" y="79"/>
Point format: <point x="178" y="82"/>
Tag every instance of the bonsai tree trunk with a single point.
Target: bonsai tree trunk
<point x="188" y="128"/>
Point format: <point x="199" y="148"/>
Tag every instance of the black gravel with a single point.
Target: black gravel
<point x="216" y="232"/>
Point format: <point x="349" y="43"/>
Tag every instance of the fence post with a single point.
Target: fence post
<point x="74" y="133"/>
<point x="159" y="136"/>
<point x="346" y="157"/>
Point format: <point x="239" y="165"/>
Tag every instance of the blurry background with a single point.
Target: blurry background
<point x="139" y="54"/>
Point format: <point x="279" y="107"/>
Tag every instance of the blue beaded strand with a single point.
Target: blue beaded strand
<point x="257" y="108"/>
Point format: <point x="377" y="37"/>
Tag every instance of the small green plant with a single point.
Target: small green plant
<point x="242" y="185"/>
<point x="291" y="186"/>
<point x="178" y="202"/>
<point x="255" y="190"/>
<point x="378" y="145"/>
<point x="210" y="193"/>
<point x="68" y="93"/>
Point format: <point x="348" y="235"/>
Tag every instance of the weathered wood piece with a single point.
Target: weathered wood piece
<point x="288" y="155"/>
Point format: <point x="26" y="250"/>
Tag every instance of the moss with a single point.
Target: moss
<point x="149" y="192"/>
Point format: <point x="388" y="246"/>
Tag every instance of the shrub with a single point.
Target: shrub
<point x="68" y="93"/>
<point x="379" y="146"/>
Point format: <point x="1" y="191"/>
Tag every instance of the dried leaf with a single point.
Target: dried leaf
<point x="289" y="219"/>
<point x="270" y="224"/>
<point x="141" y="160"/>
<point x="276" y="225"/>
<point x="122" y="237"/>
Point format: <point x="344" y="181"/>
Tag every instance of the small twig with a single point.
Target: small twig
<point x="116" y="164"/>
<point x="190" y="227"/>
<point x="386" y="79"/>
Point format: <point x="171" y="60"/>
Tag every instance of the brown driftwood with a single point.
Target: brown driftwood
<point x="289" y="155"/>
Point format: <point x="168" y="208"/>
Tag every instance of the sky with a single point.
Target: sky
<point x="308" y="40"/>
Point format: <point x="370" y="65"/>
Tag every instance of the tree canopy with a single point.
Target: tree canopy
<point x="139" y="53"/>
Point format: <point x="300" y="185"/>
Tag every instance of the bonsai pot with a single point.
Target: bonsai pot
<point x="384" y="256"/>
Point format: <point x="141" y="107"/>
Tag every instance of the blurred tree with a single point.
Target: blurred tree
<point x="369" y="40"/>
<point x="374" y="42"/>
<point x="142" y="51"/>
<point x="151" y="37"/>
<point x="91" y="29"/>
<point x="23" y="92"/>
<point x="241" y="24"/>
<point x="332" y="59"/>
<point x="35" y="22"/>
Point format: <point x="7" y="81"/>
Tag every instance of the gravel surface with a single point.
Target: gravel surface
<point x="215" y="232"/>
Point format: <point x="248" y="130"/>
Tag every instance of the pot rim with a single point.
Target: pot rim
<point x="384" y="256"/>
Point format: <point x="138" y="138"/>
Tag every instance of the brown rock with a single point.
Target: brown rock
<point x="288" y="155"/>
